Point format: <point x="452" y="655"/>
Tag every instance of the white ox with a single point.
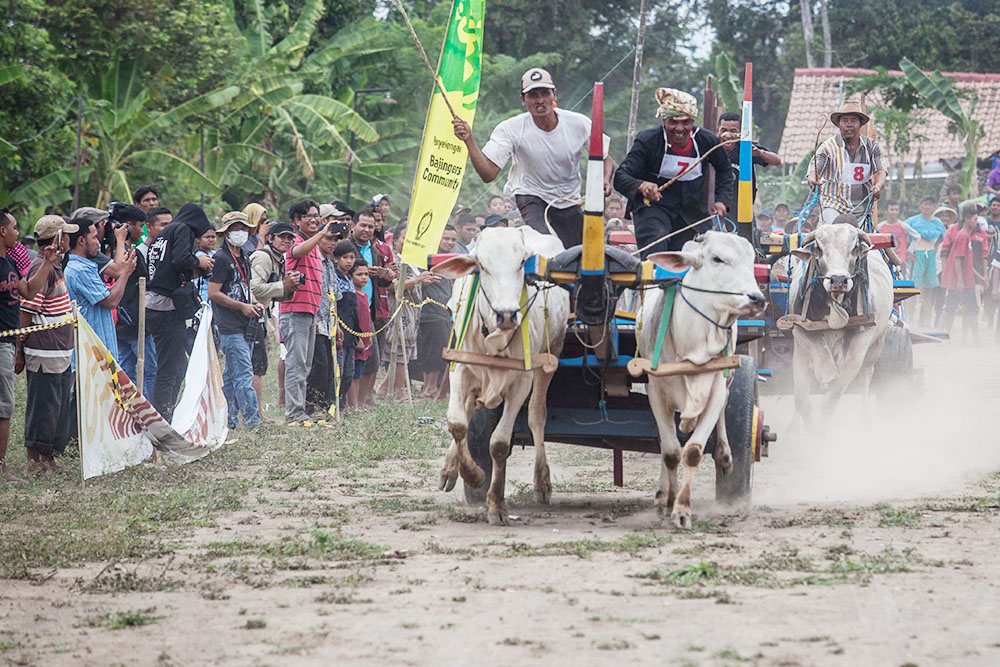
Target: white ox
<point x="722" y="266"/>
<point x="493" y="329"/>
<point x="830" y="360"/>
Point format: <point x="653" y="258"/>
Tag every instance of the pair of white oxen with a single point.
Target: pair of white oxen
<point x="723" y="288"/>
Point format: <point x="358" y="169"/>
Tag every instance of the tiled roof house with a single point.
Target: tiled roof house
<point x="817" y="92"/>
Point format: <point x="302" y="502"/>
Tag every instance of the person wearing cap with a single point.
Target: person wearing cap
<point x="664" y="153"/>
<point x="95" y="301"/>
<point x="383" y="204"/>
<point x="494" y="220"/>
<point x="172" y="267"/>
<point x="106" y="266"/>
<point x="546" y="145"/>
<point x="45" y="355"/>
<point x="847" y="166"/>
<point x="270" y="283"/>
<point x="259" y="225"/>
<point x="14" y="287"/>
<point x="236" y="315"/>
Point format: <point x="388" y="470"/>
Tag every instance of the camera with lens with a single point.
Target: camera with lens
<point x="119" y="215"/>
<point x="338" y="229"/>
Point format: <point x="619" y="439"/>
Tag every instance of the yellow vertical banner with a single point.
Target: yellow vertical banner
<point x="443" y="158"/>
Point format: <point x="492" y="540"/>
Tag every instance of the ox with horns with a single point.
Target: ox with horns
<point x="838" y="278"/>
<point x="495" y="329"/>
<point x="718" y="288"/>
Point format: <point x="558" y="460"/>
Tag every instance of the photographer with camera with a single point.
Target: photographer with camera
<point x="270" y="283"/>
<point x="110" y="237"/>
<point x="238" y="317"/>
<point x="297" y="317"/>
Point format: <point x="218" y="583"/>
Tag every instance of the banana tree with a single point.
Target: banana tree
<point x="727" y="82"/>
<point x="117" y="127"/>
<point x="937" y="92"/>
<point x="274" y="82"/>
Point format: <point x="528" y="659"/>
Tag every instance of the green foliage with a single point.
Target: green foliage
<point x="937" y="92"/>
<point x="727" y="82"/>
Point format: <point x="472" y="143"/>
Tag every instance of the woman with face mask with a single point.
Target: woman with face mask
<point x="237" y="314"/>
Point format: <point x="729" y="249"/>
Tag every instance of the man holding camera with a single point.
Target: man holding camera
<point x="95" y="301"/>
<point x="109" y="238"/>
<point x="237" y="315"/>
<point x="297" y="318"/>
<point x="270" y="283"/>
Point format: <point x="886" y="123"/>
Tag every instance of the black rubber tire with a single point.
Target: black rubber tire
<point x="896" y="360"/>
<point x="735" y="488"/>
<point x="481" y="427"/>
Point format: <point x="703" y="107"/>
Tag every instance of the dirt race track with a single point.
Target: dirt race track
<point x="874" y="544"/>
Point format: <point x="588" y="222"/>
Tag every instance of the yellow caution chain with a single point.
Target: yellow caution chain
<point x="38" y="327"/>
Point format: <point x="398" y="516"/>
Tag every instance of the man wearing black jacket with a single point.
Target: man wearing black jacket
<point x="662" y="153"/>
<point x="171" y="264"/>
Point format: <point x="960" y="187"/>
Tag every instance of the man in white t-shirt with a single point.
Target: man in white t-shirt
<point x="546" y="145"/>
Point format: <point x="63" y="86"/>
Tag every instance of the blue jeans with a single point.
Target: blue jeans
<point x="128" y="359"/>
<point x="236" y="379"/>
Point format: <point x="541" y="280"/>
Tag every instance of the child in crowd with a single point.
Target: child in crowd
<point x="344" y="255"/>
<point x="959" y="278"/>
<point x="435" y="327"/>
<point x="363" y="349"/>
<point x="206" y="247"/>
<point x="925" y="277"/>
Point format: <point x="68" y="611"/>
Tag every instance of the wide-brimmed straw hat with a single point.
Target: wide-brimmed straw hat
<point x="849" y="107"/>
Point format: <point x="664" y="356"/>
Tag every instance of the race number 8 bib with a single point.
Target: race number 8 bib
<point x="672" y="165"/>
<point x="855" y="173"/>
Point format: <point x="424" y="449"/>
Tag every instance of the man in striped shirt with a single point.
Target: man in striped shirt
<point x="297" y="315"/>
<point x="46" y="354"/>
<point x="847" y="167"/>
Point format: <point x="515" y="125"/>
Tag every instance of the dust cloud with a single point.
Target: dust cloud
<point x="909" y="442"/>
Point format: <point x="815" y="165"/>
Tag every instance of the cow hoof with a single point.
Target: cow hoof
<point x="447" y="481"/>
<point x="681" y="520"/>
<point x="496" y="518"/>
<point x="543" y="495"/>
<point x="663" y="509"/>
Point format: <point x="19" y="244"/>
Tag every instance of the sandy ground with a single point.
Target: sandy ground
<point x="872" y="542"/>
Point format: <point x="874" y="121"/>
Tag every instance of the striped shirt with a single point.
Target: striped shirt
<point x="48" y="351"/>
<point x="833" y="165"/>
<point x="307" y="297"/>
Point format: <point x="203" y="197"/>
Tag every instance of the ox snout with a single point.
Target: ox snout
<point x="507" y="320"/>
<point x="838" y="284"/>
<point x="755" y="303"/>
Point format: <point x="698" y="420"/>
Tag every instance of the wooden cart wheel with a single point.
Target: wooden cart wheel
<point x="742" y="428"/>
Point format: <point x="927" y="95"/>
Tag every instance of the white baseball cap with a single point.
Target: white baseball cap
<point x="536" y="77"/>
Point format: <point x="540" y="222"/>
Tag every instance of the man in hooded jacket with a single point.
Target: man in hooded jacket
<point x="172" y="266"/>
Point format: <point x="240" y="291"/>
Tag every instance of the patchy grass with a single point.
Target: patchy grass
<point x="898" y="516"/>
<point x="317" y="544"/>
<point x="630" y="543"/>
<point x="121" y="620"/>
